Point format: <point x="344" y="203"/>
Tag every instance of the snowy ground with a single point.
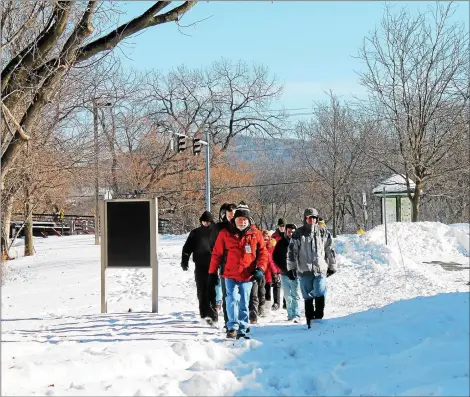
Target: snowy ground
<point x="397" y="323"/>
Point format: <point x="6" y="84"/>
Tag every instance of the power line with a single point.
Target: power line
<point x="222" y="187"/>
<point x="286" y="115"/>
<point x="258" y="150"/>
<point x="231" y="187"/>
<point x="267" y="184"/>
<point x="279" y="110"/>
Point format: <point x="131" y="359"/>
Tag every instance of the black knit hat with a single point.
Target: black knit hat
<point x="242" y="210"/>
<point x="206" y="217"/>
<point x="291" y="226"/>
<point x="281" y="222"/>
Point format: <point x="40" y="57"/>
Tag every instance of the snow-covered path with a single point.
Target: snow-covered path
<point x="56" y="342"/>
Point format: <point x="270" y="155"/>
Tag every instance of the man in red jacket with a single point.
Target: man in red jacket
<point x="246" y="259"/>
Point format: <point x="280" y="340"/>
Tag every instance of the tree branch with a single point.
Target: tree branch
<point x="19" y="129"/>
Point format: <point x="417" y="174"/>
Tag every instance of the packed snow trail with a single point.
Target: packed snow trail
<point x="55" y="341"/>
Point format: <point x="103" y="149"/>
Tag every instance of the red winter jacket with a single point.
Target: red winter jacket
<point x="231" y="246"/>
<point x="272" y="268"/>
<point x="277" y="235"/>
<point x="271" y="264"/>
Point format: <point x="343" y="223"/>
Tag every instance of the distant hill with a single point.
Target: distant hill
<point x="248" y="148"/>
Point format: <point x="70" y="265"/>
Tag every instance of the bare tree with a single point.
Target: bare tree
<point x="59" y="37"/>
<point x="229" y="99"/>
<point x="417" y="78"/>
<point x="278" y="184"/>
<point x="243" y="98"/>
<point x="332" y="145"/>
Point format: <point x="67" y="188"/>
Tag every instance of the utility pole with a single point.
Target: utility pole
<point x="364" y="208"/>
<point x="97" y="183"/>
<point x="208" y="173"/>
<point x="97" y="187"/>
<point x="385" y="214"/>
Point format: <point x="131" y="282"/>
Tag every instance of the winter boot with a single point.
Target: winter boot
<point x="262" y="311"/>
<point x="309" y="311"/>
<point x="232" y="334"/>
<point x="253" y="317"/>
<point x="319" y="307"/>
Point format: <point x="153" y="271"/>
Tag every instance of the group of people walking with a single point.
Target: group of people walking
<point x="237" y="265"/>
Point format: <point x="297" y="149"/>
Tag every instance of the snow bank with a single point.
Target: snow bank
<point x="394" y="324"/>
<point x="416" y="241"/>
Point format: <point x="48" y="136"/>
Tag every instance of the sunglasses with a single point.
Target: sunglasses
<point x="312" y="217"/>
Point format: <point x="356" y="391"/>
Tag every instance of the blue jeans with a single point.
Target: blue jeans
<point x="218" y="293"/>
<point x="236" y="301"/>
<point x="290" y="289"/>
<point x="312" y="286"/>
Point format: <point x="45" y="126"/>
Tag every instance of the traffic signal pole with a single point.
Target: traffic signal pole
<point x="208" y="174"/>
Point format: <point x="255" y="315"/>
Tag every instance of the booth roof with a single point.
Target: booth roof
<point x="395" y="184"/>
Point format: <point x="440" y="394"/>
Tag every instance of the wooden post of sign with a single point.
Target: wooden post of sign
<point x="153" y="251"/>
<point x="103" y="223"/>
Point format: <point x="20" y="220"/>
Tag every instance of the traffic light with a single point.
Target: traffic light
<point x="196" y="147"/>
<point x="180" y="143"/>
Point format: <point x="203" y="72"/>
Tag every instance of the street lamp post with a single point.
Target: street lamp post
<point x="96" y="155"/>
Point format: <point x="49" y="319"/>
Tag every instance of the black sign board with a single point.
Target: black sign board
<point x="128" y="233"/>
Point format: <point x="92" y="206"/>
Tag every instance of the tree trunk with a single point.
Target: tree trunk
<point x="353" y="212"/>
<point x="343" y="216"/>
<point x="334" y="211"/>
<point x="415" y="202"/>
<point x="28" y="225"/>
<point x="6" y="222"/>
<point x="272" y="216"/>
<point x="111" y="137"/>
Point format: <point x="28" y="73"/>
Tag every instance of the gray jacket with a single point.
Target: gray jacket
<point x="310" y="251"/>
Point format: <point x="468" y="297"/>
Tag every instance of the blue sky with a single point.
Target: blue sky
<point x="309" y="46"/>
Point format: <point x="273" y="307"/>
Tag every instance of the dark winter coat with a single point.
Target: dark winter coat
<point x="216" y="229"/>
<point x="280" y="254"/>
<point x="199" y="245"/>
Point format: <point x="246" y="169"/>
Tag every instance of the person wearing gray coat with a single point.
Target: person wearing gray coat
<point x="311" y="257"/>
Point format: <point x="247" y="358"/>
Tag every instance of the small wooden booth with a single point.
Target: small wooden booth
<point x="396" y="205"/>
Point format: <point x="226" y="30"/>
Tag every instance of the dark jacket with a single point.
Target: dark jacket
<point x="280" y="254"/>
<point x="199" y="245"/>
<point x="217" y="228"/>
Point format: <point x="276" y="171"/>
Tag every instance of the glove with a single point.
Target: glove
<point x="257" y="275"/>
<point x="292" y="274"/>
<point x="276" y="278"/>
<point x="185" y="266"/>
<point x="213" y="280"/>
<point x="330" y="272"/>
